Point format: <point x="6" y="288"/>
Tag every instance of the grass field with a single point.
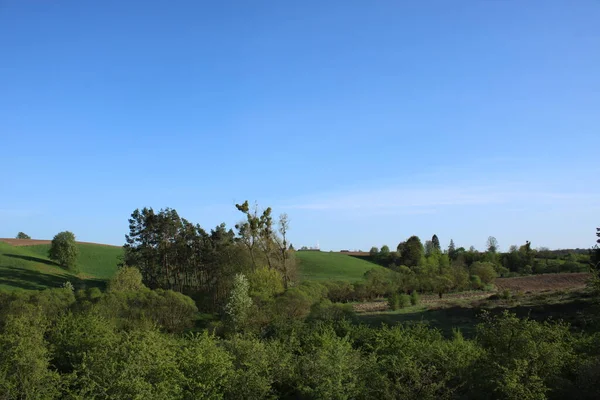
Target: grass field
<point x="576" y="306"/>
<point x="319" y="265"/>
<point x="28" y="267"/>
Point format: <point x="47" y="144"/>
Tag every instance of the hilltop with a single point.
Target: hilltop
<point x="24" y="264"/>
<point x="320" y="265"/>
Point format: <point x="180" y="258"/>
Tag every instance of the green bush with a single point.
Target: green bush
<point x="403" y="300"/>
<point x="414" y="298"/>
<point x="394" y="301"/>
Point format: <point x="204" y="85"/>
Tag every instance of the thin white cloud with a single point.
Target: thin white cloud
<point x="15" y="213"/>
<point x="429" y="200"/>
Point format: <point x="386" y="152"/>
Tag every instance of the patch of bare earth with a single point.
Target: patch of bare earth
<point x="34" y="242"/>
<point x="532" y="283"/>
<point x="536" y="283"/>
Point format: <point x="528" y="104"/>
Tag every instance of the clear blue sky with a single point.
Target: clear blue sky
<point x="366" y="122"/>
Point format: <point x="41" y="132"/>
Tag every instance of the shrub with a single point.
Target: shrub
<point x="414" y="298"/>
<point x="126" y="279"/>
<point x="265" y="284"/>
<point x="394" y="301"/>
<point x="403" y="300"/>
<point x="207" y="368"/>
<point x="475" y="282"/>
<point x="328" y="311"/>
<point x="484" y="270"/>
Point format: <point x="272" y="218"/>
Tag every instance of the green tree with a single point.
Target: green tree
<point x="239" y="303"/>
<point x="411" y="252"/>
<point x="429" y="248"/>
<point x="492" y="245"/>
<point x="374" y="253"/>
<point x="451" y="250"/>
<point x="484" y="270"/>
<point x="22" y="235"/>
<point x="384" y="252"/>
<point x="64" y="251"/>
<point x="436" y="243"/>
<point x="126" y="279"/>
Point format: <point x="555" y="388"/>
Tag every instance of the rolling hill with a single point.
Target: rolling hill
<point x="28" y="267"/>
<point x="319" y="265"/>
<point x="24" y="264"/>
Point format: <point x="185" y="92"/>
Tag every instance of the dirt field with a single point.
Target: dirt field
<point x="535" y="283"/>
<point x="33" y="242"/>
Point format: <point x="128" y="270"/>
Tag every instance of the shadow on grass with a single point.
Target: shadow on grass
<point x="34" y="280"/>
<point x="576" y="312"/>
<point x="33" y="259"/>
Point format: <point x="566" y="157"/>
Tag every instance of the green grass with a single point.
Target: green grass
<point x="319" y="265"/>
<point x="577" y="307"/>
<point x="28" y="267"/>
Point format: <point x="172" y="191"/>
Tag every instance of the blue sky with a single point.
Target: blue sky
<point x="366" y="122"/>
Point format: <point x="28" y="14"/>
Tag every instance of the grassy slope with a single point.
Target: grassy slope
<point x="28" y="267"/>
<point x="318" y="265"/>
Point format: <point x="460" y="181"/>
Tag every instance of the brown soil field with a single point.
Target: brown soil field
<point x="33" y="242"/>
<point x="536" y="283"/>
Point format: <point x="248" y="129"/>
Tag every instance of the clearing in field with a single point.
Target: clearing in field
<point x="319" y="265"/>
<point x="540" y="297"/>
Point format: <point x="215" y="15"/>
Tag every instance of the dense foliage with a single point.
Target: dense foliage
<point x="64" y="251"/>
<point x="57" y="344"/>
<point x="22" y="235"/>
<point x="172" y="253"/>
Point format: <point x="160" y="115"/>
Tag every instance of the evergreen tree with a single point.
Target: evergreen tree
<point x="436" y="243"/>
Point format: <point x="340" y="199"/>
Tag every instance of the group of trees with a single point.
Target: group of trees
<point x="128" y="343"/>
<point x="517" y="260"/>
<point x="172" y="253"/>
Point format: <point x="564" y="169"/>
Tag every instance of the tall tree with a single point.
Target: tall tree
<point x="436" y="243"/>
<point x="429" y="248"/>
<point x="451" y="249"/>
<point x="64" y="251"/>
<point x="22" y="235"/>
<point x="286" y="265"/>
<point x="492" y="244"/>
<point x="411" y="251"/>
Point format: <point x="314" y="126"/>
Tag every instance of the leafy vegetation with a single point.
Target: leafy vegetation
<point x="64" y="251"/>
<point x="264" y="333"/>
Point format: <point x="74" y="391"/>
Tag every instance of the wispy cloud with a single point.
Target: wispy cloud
<point x="17" y="213"/>
<point x="431" y="199"/>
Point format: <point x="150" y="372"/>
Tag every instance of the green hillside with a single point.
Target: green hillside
<point x="28" y="267"/>
<point x="319" y="265"/>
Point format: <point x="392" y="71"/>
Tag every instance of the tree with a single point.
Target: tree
<point x="429" y="248"/>
<point x="374" y="253"/>
<point x="492" y="244"/>
<point x="64" y="251"/>
<point x="126" y="279"/>
<point x="410" y="252"/>
<point x="384" y="252"/>
<point x="436" y="243"/>
<point x="22" y="235"/>
<point x="451" y="250"/>
<point x="239" y="303"/>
